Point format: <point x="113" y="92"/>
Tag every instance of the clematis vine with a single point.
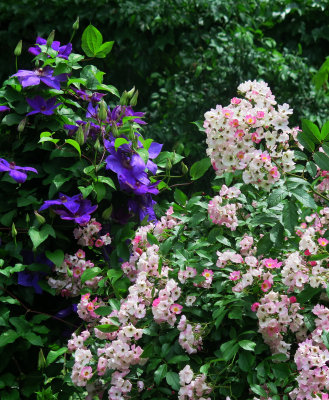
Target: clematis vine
<point x="16" y="172"/>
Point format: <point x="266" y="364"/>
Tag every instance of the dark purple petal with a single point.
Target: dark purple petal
<point x="151" y="167"/>
<point x="19" y="177"/>
<point x="154" y="149"/>
<point x="4" y="108"/>
<point x="4" y="165"/>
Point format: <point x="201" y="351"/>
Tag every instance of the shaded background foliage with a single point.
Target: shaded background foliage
<point x="187" y="56"/>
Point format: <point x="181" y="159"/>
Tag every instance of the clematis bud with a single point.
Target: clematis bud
<point x="114" y="130"/>
<point x="97" y="145"/>
<point x="124" y="98"/>
<point x="131" y="93"/>
<point x="39" y="218"/>
<point x="18" y="49"/>
<point x="75" y="26"/>
<point x="27" y="218"/>
<point x="107" y="212"/>
<point x="80" y="136"/>
<point x="184" y="168"/>
<point x="133" y="101"/>
<point x="21" y="125"/>
<point x="41" y="360"/>
<point x="102" y="111"/>
<point x="13" y="231"/>
<point x="51" y="38"/>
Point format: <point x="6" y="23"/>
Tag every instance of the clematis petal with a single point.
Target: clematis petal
<point x="19" y="177"/>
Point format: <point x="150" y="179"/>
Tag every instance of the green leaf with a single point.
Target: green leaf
<point x="57" y="257"/>
<point x="199" y="168"/>
<point x="322" y="160"/>
<point x="290" y="216"/>
<point x="305" y="141"/>
<point x="325" y="147"/>
<point x="301" y="194"/>
<point x="160" y="373"/>
<point x="114" y="275"/>
<point x="276" y="234"/>
<point x="311" y="131"/>
<point x="246" y="361"/>
<point x="264" y="245"/>
<point x="75" y="144"/>
<point x="229" y="349"/>
<point x="108" y="181"/>
<point x="317" y="257"/>
<point x="152" y="239"/>
<point x="276" y="197"/>
<point x="180" y="197"/>
<point x="104" y="311"/>
<point x="91" y="41"/>
<point x="258" y="390"/>
<point x="8" y="337"/>
<point x="54" y="354"/>
<point x="148" y="351"/>
<point x="100" y="190"/>
<point x="247" y="345"/>
<point x="90" y="273"/>
<point x="20" y="324"/>
<point x="325" y="131"/>
<point x="164" y="156"/>
<point x="311" y="168"/>
<point x="36" y="236"/>
<point x="33" y="339"/>
<point x="144" y="154"/>
<point x="172" y="379"/>
<point x="178" y="359"/>
<point x="107" y="328"/>
<point x="104" y="49"/>
<point x="119" y="142"/>
<point x="86" y="190"/>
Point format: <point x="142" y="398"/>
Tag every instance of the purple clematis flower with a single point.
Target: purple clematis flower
<point x="143" y="206"/>
<point x="93" y="98"/>
<point x="4" y="108"/>
<point x="15" y="171"/>
<point x="45" y="75"/>
<point x="63" y="51"/>
<point x="71" y="203"/>
<point x="139" y="188"/>
<point x="76" y="208"/>
<point x="81" y="216"/>
<point x="128" y="165"/>
<point x="40" y="105"/>
<point x="125" y="111"/>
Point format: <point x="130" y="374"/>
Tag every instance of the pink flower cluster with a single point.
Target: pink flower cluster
<point x="222" y="211"/>
<point x="190" y="337"/>
<point x="192" y="389"/>
<point x="299" y="269"/>
<point x="69" y="273"/>
<point x="235" y="133"/>
<point x="276" y="314"/>
<point x="311" y="359"/>
<point x="87" y="235"/>
<point x="87" y="307"/>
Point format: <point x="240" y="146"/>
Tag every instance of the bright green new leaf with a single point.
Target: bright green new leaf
<point x="91" y="41"/>
<point x="90" y="273"/>
<point x="75" y="144"/>
<point x="57" y="257"/>
<point x="199" y="168"/>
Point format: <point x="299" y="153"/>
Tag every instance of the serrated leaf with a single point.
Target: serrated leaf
<point x="311" y="131"/>
<point x="276" y="197"/>
<point x="91" y="41"/>
<point x="160" y="373"/>
<point x="290" y="216"/>
<point x="75" y="144"/>
<point x="90" y="273"/>
<point x="247" y="345"/>
<point x="199" y="168"/>
<point x="311" y="168"/>
<point x="264" y="245"/>
<point x="325" y="131"/>
<point x="258" y="390"/>
<point x="104" y="311"/>
<point x="303" y="197"/>
<point x="107" y="328"/>
<point x="305" y="141"/>
<point x="172" y="379"/>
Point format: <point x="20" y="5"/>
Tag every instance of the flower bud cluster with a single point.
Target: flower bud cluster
<point x="276" y="314"/>
<point x="192" y="389"/>
<point x="87" y="235"/>
<point x="69" y="273"/>
<point x="311" y="359"/>
<point x="223" y="212"/>
<point x="235" y="134"/>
